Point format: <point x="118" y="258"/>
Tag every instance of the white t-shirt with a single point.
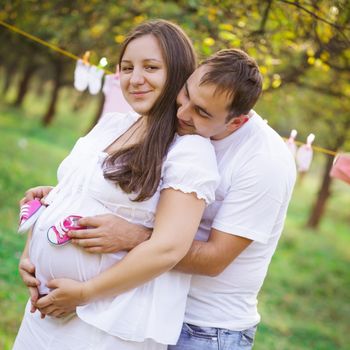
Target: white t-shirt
<point x="257" y="178"/>
<point x="142" y="313"/>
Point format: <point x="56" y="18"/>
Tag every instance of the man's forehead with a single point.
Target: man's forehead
<point x="196" y="82"/>
<point x="197" y="75"/>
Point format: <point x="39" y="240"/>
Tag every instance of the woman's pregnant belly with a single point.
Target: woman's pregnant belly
<point x="66" y="261"/>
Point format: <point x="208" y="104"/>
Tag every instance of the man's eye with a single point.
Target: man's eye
<point x="202" y="114"/>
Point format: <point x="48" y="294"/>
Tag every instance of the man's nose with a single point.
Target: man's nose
<point x="184" y="111"/>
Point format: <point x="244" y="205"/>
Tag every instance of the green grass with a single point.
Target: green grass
<point x="304" y="302"/>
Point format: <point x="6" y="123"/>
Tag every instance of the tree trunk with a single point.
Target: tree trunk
<point x="9" y="75"/>
<point x="24" y="84"/>
<point x="80" y="101"/>
<point x="98" y="112"/>
<point x="323" y="194"/>
<point x="50" y="113"/>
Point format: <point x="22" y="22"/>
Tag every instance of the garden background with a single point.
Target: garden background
<point x="303" y="50"/>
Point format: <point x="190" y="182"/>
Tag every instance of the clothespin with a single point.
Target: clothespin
<point x="304" y="154"/>
<point x="95" y="76"/>
<point x="291" y="142"/>
<point x="86" y="57"/>
<point x="81" y="73"/>
<point x="310" y="139"/>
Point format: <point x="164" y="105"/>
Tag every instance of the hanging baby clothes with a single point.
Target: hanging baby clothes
<point x="114" y="99"/>
<point x="291" y="142"/>
<point x="95" y="80"/>
<point x="304" y="155"/>
<point x="81" y="75"/>
<point x="341" y="168"/>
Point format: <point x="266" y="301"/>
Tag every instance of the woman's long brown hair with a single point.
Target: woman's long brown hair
<point x="137" y="169"/>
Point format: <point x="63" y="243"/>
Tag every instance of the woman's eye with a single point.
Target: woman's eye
<point x="152" y="68"/>
<point x="126" y="69"/>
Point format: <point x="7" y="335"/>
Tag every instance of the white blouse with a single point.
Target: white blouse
<point x="155" y="310"/>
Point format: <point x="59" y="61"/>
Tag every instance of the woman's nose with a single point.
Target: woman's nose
<point x="137" y="77"/>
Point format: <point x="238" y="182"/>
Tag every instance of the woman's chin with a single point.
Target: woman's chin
<point x="140" y="108"/>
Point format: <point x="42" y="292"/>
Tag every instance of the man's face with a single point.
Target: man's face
<point x="201" y="112"/>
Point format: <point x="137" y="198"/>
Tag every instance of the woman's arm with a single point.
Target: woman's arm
<point x="176" y="223"/>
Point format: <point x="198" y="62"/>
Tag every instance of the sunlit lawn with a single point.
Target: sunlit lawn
<point x="305" y="299"/>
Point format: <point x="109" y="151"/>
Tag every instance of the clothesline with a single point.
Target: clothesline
<point x="72" y="56"/>
<point x="315" y="148"/>
<point x="43" y="42"/>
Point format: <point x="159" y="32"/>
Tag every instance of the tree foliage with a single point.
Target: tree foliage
<point x="302" y="44"/>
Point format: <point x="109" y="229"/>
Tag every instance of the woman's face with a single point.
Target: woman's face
<point x="142" y="73"/>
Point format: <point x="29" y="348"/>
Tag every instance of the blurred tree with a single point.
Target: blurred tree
<point x="302" y="43"/>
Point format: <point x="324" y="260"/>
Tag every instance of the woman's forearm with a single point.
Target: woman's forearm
<point x="145" y="262"/>
<point x="177" y="220"/>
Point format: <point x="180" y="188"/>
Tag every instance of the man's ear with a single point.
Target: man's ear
<point x="236" y="122"/>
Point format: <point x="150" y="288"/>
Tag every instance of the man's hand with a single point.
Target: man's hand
<point x="39" y="192"/>
<point x="108" y="234"/>
<point x="66" y="295"/>
<point x="27" y="273"/>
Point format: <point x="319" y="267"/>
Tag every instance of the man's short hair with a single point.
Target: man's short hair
<point x="237" y="74"/>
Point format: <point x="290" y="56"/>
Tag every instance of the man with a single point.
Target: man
<point x="238" y="233"/>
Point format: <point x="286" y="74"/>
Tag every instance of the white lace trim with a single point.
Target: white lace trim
<point x="187" y="189"/>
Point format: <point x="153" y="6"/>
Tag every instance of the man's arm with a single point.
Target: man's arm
<point x="109" y="233"/>
<point x="212" y="257"/>
<point x="112" y="233"/>
<point x="176" y="222"/>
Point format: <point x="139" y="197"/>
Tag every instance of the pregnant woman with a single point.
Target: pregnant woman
<point x="133" y="165"/>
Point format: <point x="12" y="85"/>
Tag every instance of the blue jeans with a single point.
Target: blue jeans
<point x="207" y="338"/>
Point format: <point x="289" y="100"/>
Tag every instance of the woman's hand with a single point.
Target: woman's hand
<point x="66" y="295"/>
<point x="27" y="272"/>
<point x="39" y="192"/>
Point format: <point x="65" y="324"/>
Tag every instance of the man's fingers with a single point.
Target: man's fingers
<point x="87" y="243"/>
<point x="94" y="250"/>
<point x="85" y="234"/>
<point x="92" y="221"/>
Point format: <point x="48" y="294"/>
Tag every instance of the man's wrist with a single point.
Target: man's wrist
<point x="138" y="235"/>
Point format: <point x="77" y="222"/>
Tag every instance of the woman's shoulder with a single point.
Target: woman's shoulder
<point x="191" y="147"/>
<point x="116" y="119"/>
<point x="181" y="141"/>
<point x="111" y="123"/>
<point x="190" y="166"/>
